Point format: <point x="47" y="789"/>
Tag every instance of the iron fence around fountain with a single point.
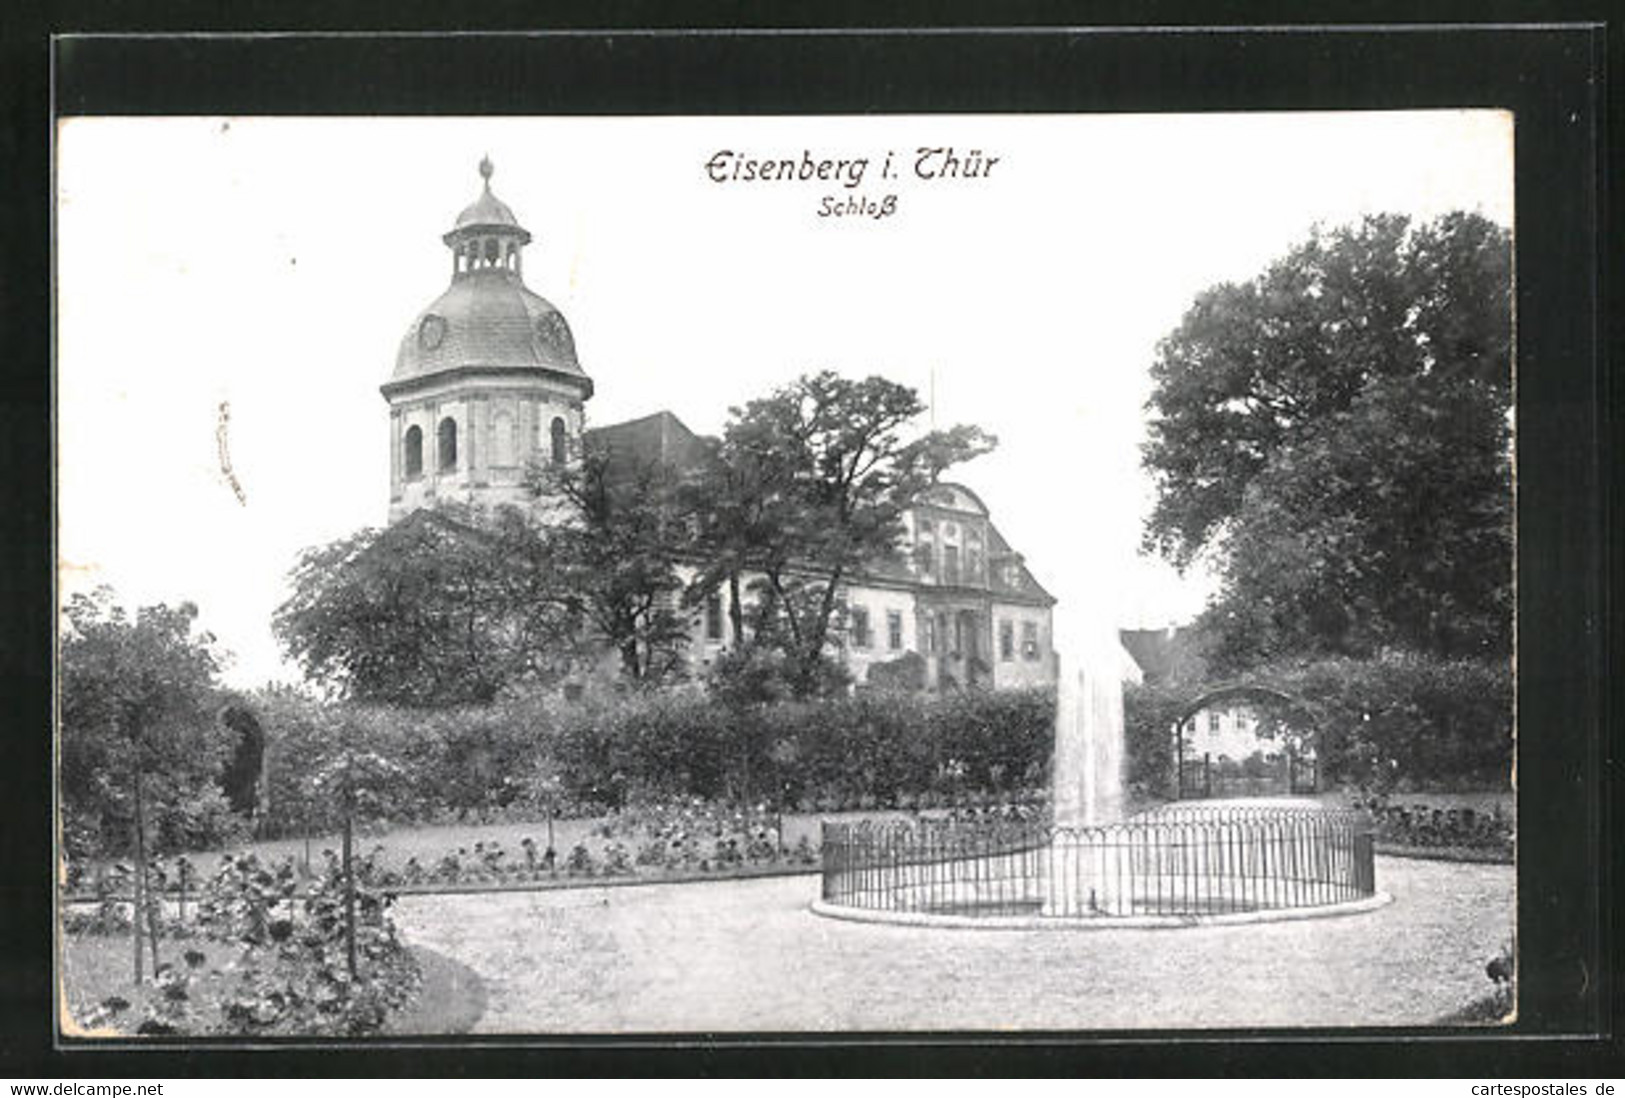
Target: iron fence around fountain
<point x="1197" y="861"/>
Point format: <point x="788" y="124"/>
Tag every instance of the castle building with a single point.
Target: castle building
<point x="487" y="381"/>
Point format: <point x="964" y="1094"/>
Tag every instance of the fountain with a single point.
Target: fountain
<point x="1177" y="864"/>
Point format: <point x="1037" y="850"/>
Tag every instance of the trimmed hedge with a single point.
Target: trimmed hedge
<point x="524" y="758"/>
<point x="1397" y="723"/>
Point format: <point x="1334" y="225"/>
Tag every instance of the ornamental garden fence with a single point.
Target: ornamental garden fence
<point x="1174" y="861"/>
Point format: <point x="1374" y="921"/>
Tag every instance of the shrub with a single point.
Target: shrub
<point x="1403" y="721"/>
<point x="197" y="819"/>
<point x="906" y="673"/>
<point x="580" y="863"/>
<point x="1398" y="722"/>
<point x="1149" y="713"/>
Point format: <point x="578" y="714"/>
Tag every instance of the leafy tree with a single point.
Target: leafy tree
<point x="807" y="490"/>
<point x="734" y="512"/>
<point x="139" y="734"/>
<point x="359" y="779"/>
<point x="440" y="609"/>
<point x="1335" y="435"/>
<point x="614" y="532"/>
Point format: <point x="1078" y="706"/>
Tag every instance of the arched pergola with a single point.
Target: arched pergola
<point x="1242" y="691"/>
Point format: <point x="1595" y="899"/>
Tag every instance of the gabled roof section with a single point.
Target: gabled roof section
<point x="1164" y="654"/>
<point x="952" y="497"/>
<point x="658" y="439"/>
<point x="1026" y="583"/>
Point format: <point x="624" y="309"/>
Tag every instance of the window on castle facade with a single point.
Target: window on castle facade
<point x="894" y="630"/>
<point x="414" y="451"/>
<point x="448" y="444"/>
<point x="924" y="551"/>
<point x="559" y="441"/>
<point x="861" y="637"/>
<point x="1029" y="640"/>
<point x="950" y="564"/>
<point x="1007" y="641"/>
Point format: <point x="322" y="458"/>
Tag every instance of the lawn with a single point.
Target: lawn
<point x="98" y="966"/>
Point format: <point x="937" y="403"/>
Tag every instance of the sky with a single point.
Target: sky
<point x="270" y="266"/>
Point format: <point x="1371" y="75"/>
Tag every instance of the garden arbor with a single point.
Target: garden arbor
<point x="1289" y="719"/>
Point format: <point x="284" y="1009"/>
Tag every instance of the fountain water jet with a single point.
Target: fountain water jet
<point x="1086" y="782"/>
<point x="1086" y="774"/>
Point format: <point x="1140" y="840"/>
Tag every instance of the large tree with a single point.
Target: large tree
<point x="615" y="527"/>
<point x="139" y="735"/>
<point x="1335" y="436"/>
<point x="139" y="703"/>
<point x="808" y="489"/>
<point x="439" y="609"/>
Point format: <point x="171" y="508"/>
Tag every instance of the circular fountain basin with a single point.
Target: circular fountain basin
<point x="1179" y="865"/>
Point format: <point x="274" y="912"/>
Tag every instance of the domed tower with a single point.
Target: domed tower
<point x="486" y="377"/>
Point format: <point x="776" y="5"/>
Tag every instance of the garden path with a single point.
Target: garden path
<point x="748" y="955"/>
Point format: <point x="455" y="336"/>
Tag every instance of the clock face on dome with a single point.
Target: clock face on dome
<point x="431" y="332"/>
<point x="555" y="334"/>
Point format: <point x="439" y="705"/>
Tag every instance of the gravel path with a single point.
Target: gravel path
<point x="748" y="955"/>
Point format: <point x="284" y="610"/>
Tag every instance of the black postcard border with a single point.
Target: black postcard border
<point x="1549" y="75"/>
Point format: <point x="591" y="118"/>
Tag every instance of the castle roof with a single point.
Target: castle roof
<point x="487" y="320"/>
<point x="657" y="439"/>
<point x="487" y="212"/>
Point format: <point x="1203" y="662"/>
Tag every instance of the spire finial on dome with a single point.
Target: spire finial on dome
<point x="486" y="168"/>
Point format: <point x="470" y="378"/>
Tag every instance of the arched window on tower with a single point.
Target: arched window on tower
<point x="559" y="441"/>
<point x="414" y="451"/>
<point x="448" y="445"/>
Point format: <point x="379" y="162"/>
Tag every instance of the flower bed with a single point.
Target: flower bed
<point x="677" y="840"/>
<point x="264" y="952"/>
<point x="1459" y="832"/>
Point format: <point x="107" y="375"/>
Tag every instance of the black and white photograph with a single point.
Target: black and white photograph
<point x="598" y="575"/>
